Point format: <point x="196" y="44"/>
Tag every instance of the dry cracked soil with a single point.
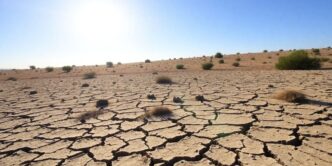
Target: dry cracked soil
<point x="238" y="123"/>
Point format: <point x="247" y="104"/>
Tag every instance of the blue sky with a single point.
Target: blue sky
<point x="89" y="32"/>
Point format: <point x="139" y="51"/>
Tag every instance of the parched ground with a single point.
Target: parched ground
<point x="238" y="124"/>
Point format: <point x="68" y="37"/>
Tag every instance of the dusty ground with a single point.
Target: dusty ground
<point x="239" y="124"/>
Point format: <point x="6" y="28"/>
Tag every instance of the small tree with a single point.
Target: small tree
<point x="49" y="69"/>
<point x="109" y="64"/>
<point x="147" y="61"/>
<point x="32" y="67"/>
<point x="218" y="55"/>
<point x="221" y="61"/>
<point x="265" y="51"/>
<point x="207" y="66"/>
<point x="298" y="60"/>
<point x="67" y="69"/>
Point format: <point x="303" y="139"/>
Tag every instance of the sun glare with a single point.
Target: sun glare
<point x="99" y="21"/>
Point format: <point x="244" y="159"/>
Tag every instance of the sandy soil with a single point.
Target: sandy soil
<point x="238" y="124"/>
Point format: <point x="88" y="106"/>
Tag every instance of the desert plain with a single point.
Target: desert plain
<point x="237" y="123"/>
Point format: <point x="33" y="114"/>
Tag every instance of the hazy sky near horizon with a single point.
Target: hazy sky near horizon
<point x="88" y="32"/>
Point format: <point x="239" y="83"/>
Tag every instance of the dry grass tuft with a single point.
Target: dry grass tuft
<point x="164" y="80"/>
<point x="88" y="115"/>
<point x="290" y="96"/>
<point x="159" y="112"/>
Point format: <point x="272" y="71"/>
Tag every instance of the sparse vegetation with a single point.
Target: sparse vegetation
<point x="207" y="66"/>
<point x="253" y="58"/>
<point x="11" y="79"/>
<point x="179" y="66"/>
<point x="265" y="51"/>
<point x="290" y="96"/>
<point x="32" y="67"/>
<point x="281" y="50"/>
<point x="177" y="100"/>
<point x="151" y="96"/>
<point x="109" y="64"/>
<point x="316" y="51"/>
<point x="298" y="60"/>
<point x="102" y="103"/>
<point x="89" y="75"/>
<point x="218" y="55"/>
<point x="119" y="63"/>
<point x="269" y="57"/>
<point x="200" y="98"/>
<point x="162" y="112"/>
<point x="85" y="85"/>
<point x="67" y="69"/>
<point x="221" y="61"/>
<point x="88" y="115"/>
<point x="147" y="61"/>
<point x="238" y="59"/>
<point x="236" y="64"/>
<point x="164" y="80"/>
<point x="324" y="59"/>
<point x="49" y="69"/>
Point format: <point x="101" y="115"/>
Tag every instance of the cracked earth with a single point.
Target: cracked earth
<point x="238" y="124"/>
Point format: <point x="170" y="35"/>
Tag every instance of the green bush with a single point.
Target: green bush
<point x="32" y="67"/>
<point x="89" y="75"/>
<point x="49" y="69"/>
<point x="236" y="64"/>
<point x="207" y="66"/>
<point x="179" y="66"/>
<point x="265" y="51"/>
<point x="298" y="60"/>
<point x="221" y="61"/>
<point x="109" y="64"/>
<point x="67" y="69"/>
<point x="218" y="55"/>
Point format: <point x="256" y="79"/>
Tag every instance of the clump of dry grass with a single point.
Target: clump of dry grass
<point x="162" y="112"/>
<point x="88" y="115"/>
<point x="164" y="80"/>
<point x="290" y="96"/>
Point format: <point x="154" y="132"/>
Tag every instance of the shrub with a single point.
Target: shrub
<point x="109" y="64"/>
<point x="236" y="64"/>
<point x="221" y="61"/>
<point x="179" y="66"/>
<point x="147" y="61"/>
<point x="253" y="58"/>
<point x="316" y="51"/>
<point x="329" y="47"/>
<point x="11" y="79"/>
<point x="298" y="60"/>
<point x="238" y="59"/>
<point x="119" y="63"/>
<point x="161" y="112"/>
<point x="101" y="103"/>
<point x="269" y="57"/>
<point x="89" y="75"/>
<point x="238" y="53"/>
<point x="281" y="50"/>
<point x="207" y="66"/>
<point x="324" y="59"/>
<point x="67" y="69"/>
<point x="164" y="80"/>
<point x="218" y="55"/>
<point x="290" y="96"/>
<point x="32" y="67"/>
<point x="265" y="51"/>
<point x="49" y="69"/>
